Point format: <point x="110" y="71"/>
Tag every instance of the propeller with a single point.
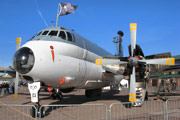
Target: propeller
<point x="134" y="61"/>
<point x="18" y="44"/>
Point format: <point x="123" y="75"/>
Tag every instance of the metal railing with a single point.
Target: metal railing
<point x="75" y="112"/>
<point x="16" y="112"/>
<point x="155" y="110"/>
<point x="173" y="109"/>
<point x="149" y="110"/>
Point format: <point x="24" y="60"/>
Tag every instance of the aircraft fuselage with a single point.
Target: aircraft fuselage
<point x="61" y="59"/>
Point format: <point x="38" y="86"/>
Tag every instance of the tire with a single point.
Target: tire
<point x="93" y="93"/>
<point x="59" y="96"/>
<point x="53" y="96"/>
<point x="33" y="112"/>
<point x="41" y="112"/>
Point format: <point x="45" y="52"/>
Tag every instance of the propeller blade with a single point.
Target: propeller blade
<point x="133" y="29"/>
<point x="109" y="62"/>
<point x="162" y="61"/>
<point x="156" y="56"/>
<point x="132" y="93"/>
<point x="18" y="44"/>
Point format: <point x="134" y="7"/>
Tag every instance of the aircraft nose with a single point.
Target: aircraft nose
<point x="23" y="60"/>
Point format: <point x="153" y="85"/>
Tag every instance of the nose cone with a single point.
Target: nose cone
<point x="23" y="60"/>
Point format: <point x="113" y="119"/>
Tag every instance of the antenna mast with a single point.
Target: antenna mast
<point x="119" y="44"/>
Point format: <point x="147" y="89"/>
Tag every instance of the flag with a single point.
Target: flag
<point x="66" y="8"/>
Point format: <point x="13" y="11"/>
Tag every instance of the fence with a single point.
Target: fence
<point x="150" y="110"/>
<point x="16" y="112"/>
<point x="75" y="112"/>
<point x="173" y="109"/>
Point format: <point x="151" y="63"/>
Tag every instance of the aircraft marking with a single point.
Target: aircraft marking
<point x="62" y="81"/>
<point x="18" y="40"/>
<point x="52" y="52"/>
<point x="132" y="99"/>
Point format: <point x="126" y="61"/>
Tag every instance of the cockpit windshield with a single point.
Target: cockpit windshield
<point x="47" y="34"/>
<point x="62" y="35"/>
<point x="39" y="33"/>
<point x="53" y="33"/>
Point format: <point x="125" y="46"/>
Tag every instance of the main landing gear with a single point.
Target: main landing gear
<point x="56" y="94"/>
<point x="93" y="93"/>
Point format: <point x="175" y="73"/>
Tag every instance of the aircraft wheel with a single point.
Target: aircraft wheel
<point x="41" y="112"/>
<point x="53" y="96"/>
<point x="88" y="93"/>
<point x="59" y="96"/>
<point x="93" y="93"/>
<point x="33" y="112"/>
<point x="99" y="92"/>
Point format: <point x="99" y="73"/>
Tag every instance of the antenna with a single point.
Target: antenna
<point x="52" y="23"/>
<point x="119" y="45"/>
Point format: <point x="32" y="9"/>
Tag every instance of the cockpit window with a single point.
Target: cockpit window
<point x="53" y="33"/>
<point x="39" y="33"/>
<point x="62" y="35"/>
<point x="69" y="37"/>
<point x="45" y="32"/>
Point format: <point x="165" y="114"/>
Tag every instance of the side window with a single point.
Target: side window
<point x="73" y="37"/>
<point x="53" y="33"/>
<point x="39" y="33"/>
<point x="62" y="35"/>
<point x="69" y="37"/>
<point x="45" y="32"/>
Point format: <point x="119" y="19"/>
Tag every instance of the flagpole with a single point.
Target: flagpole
<point x="58" y="13"/>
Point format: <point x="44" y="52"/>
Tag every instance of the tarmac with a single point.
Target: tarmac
<point x="75" y="97"/>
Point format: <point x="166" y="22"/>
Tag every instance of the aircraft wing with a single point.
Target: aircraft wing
<point x="8" y="69"/>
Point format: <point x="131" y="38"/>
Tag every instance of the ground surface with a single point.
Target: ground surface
<point x="12" y="112"/>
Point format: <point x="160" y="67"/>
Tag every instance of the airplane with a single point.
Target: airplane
<point x="62" y="59"/>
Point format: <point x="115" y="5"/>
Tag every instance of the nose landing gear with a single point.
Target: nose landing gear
<point x="37" y="110"/>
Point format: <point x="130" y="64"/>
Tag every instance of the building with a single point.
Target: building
<point x="170" y="77"/>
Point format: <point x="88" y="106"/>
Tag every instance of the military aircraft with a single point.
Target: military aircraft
<point x="62" y="59"/>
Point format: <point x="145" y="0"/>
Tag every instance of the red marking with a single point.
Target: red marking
<point x="137" y="57"/>
<point x="52" y="52"/>
<point x="62" y="81"/>
<point x="49" y="90"/>
<point x="51" y="47"/>
<point x="129" y="57"/>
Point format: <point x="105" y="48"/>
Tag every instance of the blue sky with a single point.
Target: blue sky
<point x="158" y="23"/>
